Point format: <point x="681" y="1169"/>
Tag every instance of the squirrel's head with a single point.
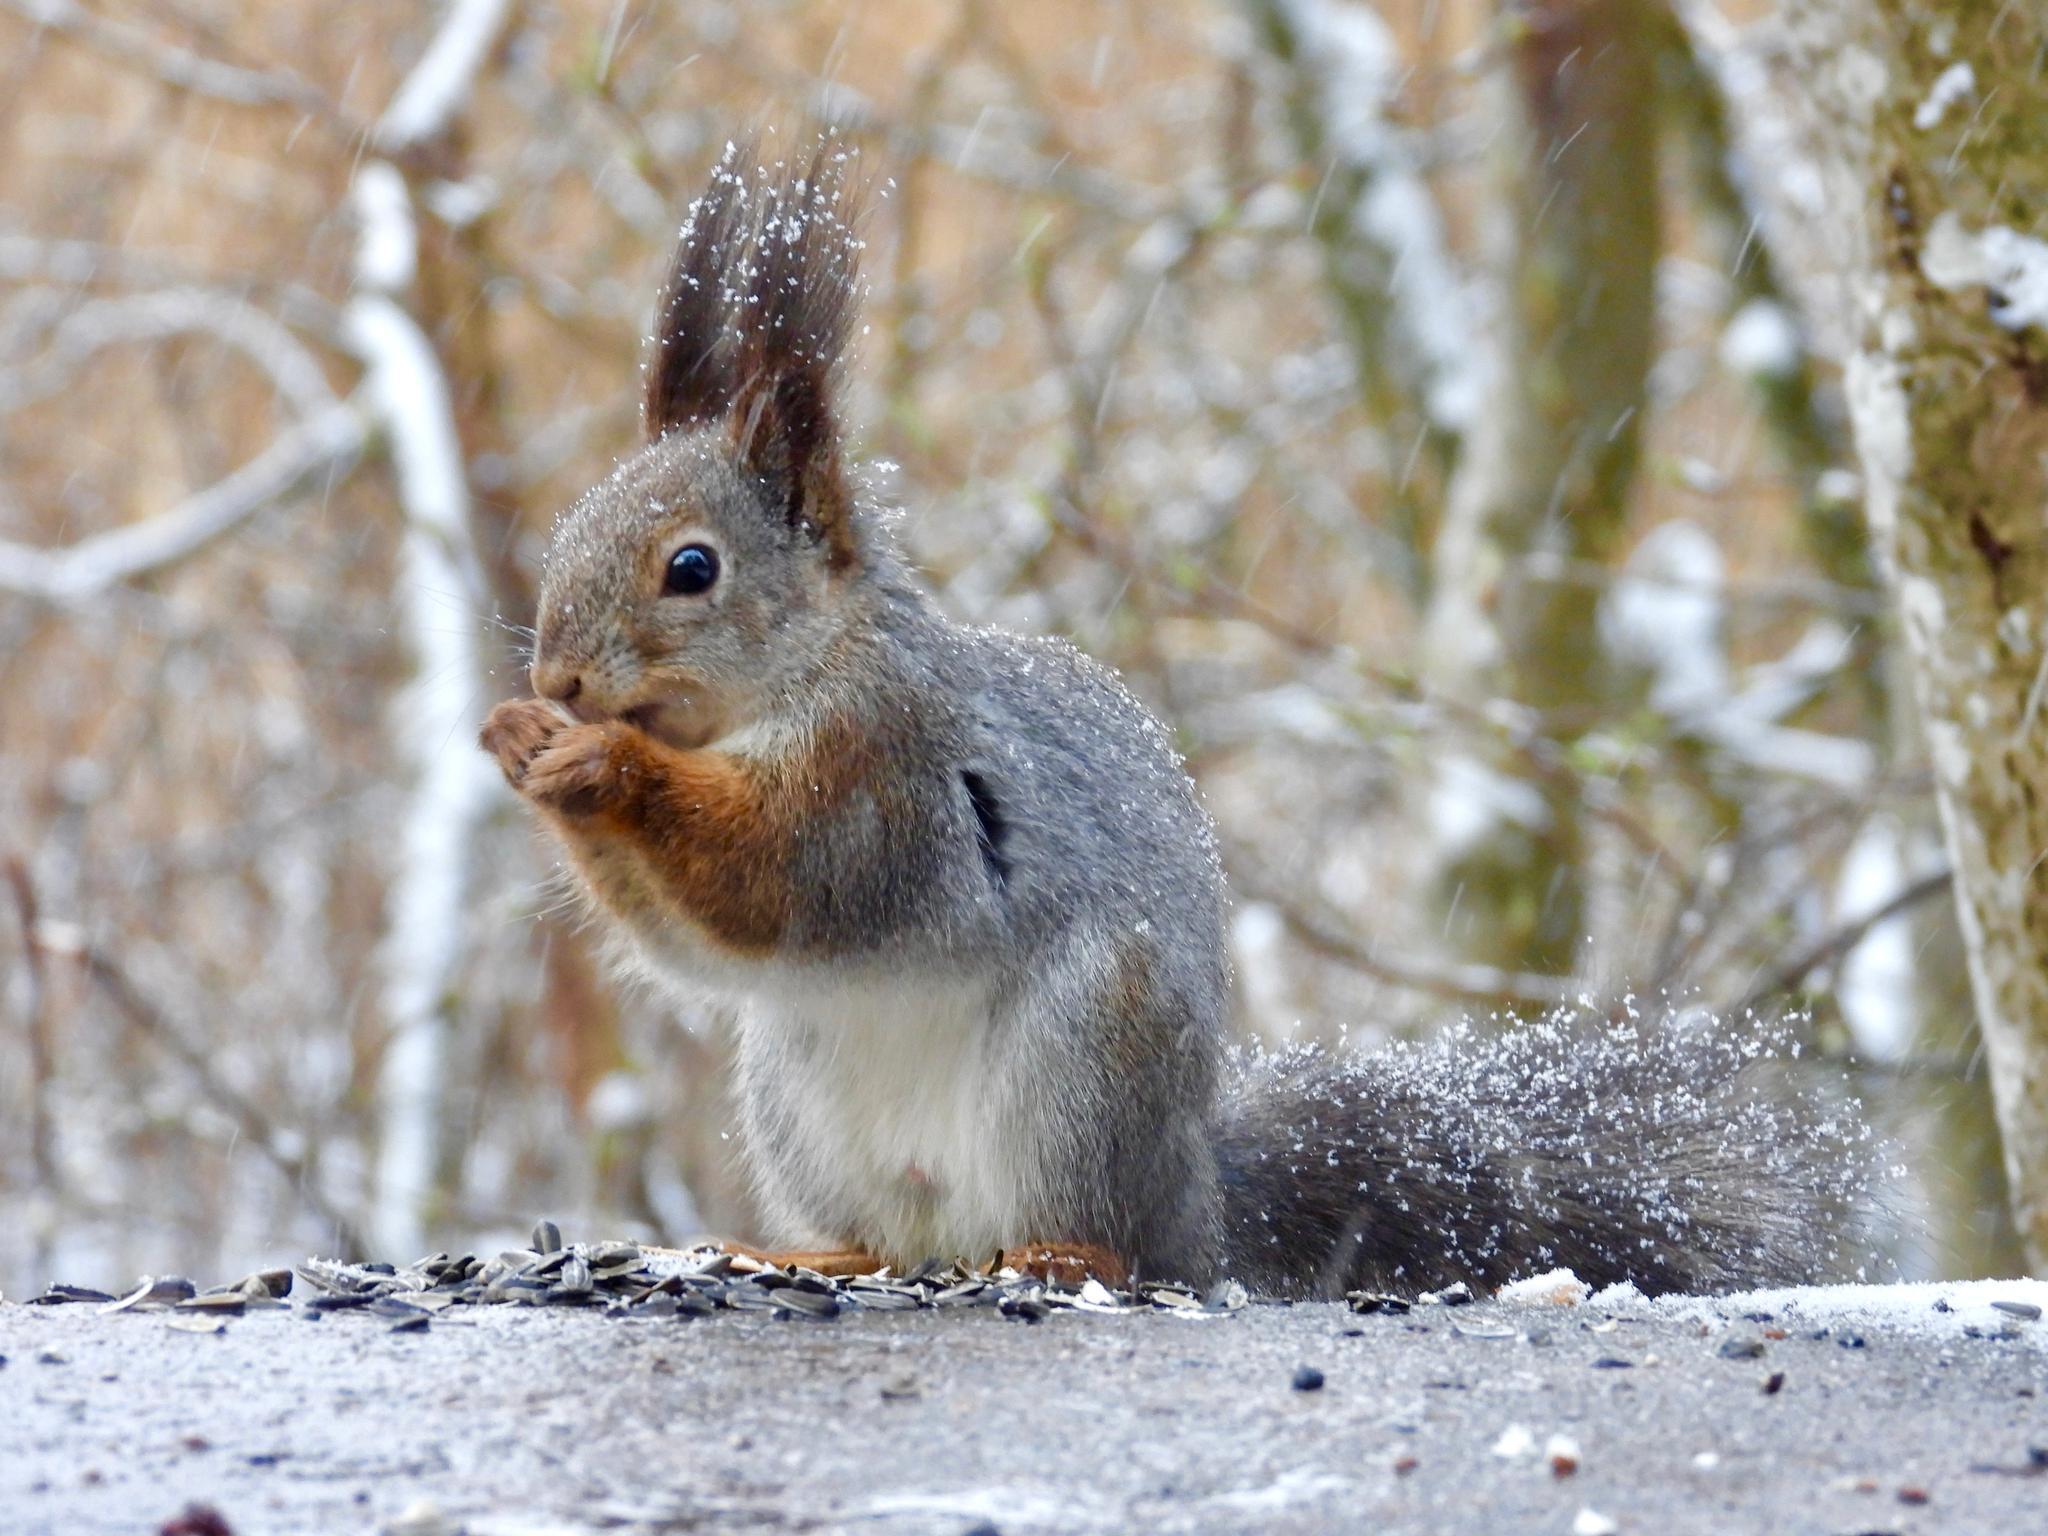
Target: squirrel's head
<point x="717" y="559"/>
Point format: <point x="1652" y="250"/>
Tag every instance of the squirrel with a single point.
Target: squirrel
<point x="971" y="911"/>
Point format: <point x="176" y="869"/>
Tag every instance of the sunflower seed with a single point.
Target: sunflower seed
<point x="231" y="1305"/>
<point x="339" y="1301"/>
<point x="63" y="1295"/>
<point x="153" y="1291"/>
<point x="794" y="1302"/>
<point x="1367" y="1302"/>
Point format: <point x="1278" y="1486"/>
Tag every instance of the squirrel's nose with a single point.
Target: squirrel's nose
<point x="555" y="682"/>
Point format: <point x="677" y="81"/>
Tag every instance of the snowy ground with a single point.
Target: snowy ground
<point x="1909" y="1409"/>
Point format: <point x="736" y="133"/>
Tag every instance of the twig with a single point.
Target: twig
<point x="184" y="68"/>
<point x="42" y="1137"/>
<point x="83" y="329"/>
<point x="1845" y="938"/>
<point x="1332" y="938"/>
<point x="250" y="1121"/>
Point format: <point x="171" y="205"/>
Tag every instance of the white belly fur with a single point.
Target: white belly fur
<point x="903" y="1115"/>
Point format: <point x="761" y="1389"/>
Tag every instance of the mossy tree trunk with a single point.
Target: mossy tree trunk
<point x="1552" y="459"/>
<point x="1949" y="391"/>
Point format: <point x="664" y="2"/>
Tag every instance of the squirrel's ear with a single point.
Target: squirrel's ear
<point x="753" y="321"/>
<point x="690" y="377"/>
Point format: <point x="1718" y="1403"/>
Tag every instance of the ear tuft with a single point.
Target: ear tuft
<point x="753" y="321"/>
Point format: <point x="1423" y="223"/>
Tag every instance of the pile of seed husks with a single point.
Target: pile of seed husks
<point x="623" y="1280"/>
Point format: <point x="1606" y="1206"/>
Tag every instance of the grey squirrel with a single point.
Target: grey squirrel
<point x="971" y="912"/>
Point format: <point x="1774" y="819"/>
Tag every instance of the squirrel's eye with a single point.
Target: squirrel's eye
<point x="691" y="570"/>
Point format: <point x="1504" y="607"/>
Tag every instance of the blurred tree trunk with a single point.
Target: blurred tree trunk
<point x="1941" y="113"/>
<point x="1551" y="461"/>
<point x="1386" y="268"/>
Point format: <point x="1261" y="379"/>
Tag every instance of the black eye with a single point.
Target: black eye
<point x="691" y="570"/>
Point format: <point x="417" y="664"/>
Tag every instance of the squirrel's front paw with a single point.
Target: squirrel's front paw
<point x="583" y="769"/>
<point x="516" y="730"/>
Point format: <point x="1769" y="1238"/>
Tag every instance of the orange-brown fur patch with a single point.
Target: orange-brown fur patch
<point x="649" y="825"/>
<point x="839" y="1263"/>
<point x="1067" y="1263"/>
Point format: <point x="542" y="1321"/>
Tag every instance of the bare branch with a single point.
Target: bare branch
<point x="1331" y="937"/>
<point x="79" y="331"/>
<point x="180" y="67"/>
<point x="88" y="264"/>
<point x="94" y="564"/>
<point x="1833" y="945"/>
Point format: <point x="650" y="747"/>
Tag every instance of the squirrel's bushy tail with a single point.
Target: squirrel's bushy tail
<point x="1677" y="1158"/>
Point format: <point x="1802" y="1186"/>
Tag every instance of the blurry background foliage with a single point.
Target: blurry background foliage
<point x="1435" y="410"/>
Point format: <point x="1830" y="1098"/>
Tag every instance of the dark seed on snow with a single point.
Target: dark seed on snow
<point x="880" y="1300"/>
<point x="417" y="1324"/>
<point x="1773" y="1382"/>
<point x="339" y="1301"/>
<point x="1307" y="1379"/>
<point x="795" y="1303"/>
<point x="1367" y="1302"/>
<point x="1613" y="1363"/>
<point x="2025" y="1311"/>
<point x="161" y="1291"/>
<point x="61" y="1295"/>
<point x="1741" y="1349"/>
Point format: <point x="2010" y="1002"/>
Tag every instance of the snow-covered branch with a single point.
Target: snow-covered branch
<point x="430" y="97"/>
<point x="327" y="432"/>
<point x="441" y="594"/>
<point x="320" y="442"/>
<point x="78" y="331"/>
<point x="170" y="63"/>
<point x="1389" y="251"/>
